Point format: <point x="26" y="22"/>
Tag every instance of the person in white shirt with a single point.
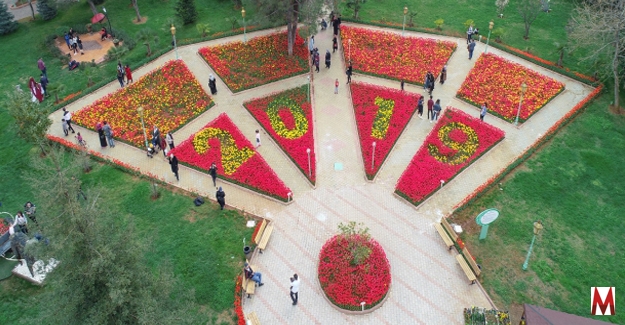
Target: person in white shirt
<point x="21" y="221"/>
<point x="257" y="138"/>
<point x="294" y="289"/>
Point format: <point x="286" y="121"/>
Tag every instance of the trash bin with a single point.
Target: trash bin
<point x="247" y="251"/>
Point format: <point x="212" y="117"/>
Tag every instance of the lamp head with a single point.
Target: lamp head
<point x="523" y="87"/>
<point x="491" y="25"/>
<point x="538" y="227"/>
<point x="243" y="12"/>
<point x="104" y="9"/>
<point x="140" y="110"/>
<point x="405" y="10"/>
<point x="173" y="29"/>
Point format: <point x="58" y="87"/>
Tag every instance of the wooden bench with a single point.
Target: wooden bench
<point x="263" y="235"/>
<point x="448" y="242"/>
<point x="449" y="229"/>
<point x="465" y="267"/>
<point x="249" y="286"/>
<point x="472" y="263"/>
<point x="253" y="318"/>
<point x="259" y="234"/>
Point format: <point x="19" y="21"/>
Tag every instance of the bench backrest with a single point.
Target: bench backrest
<point x="259" y="234"/>
<point x="449" y="229"/>
<point x="471" y="261"/>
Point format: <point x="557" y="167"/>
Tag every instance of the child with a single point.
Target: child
<point x="81" y="142"/>
<point x="128" y="74"/>
<point x="336" y="86"/>
<point x="257" y="138"/>
<point x="65" y="127"/>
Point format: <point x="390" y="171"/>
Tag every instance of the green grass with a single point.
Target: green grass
<point x="575" y="186"/>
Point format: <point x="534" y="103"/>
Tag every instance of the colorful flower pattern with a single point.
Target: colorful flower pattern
<point x="259" y="61"/>
<point x="170" y="97"/>
<point x="497" y="81"/>
<point x="287" y="118"/>
<point x="455" y="142"/>
<point x="381" y="116"/>
<point x="220" y="141"/>
<point x="394" y="56"/>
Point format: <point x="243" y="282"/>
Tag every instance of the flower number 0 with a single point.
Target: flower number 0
<point x="460" y="151"/>
<point x="231" y="156"/>
<point x="301" y="122"/>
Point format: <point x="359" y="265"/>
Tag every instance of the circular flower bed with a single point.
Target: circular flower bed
<point x="353" y="269"/>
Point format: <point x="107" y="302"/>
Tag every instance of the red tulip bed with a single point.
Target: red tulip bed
<point x="347" y="285"/>
<point x="220" y="141"/>
<point x="390" y="55"/>
<point x="456" y="141"/>
<point x="287" y="117"/>
<point x="259" y="61"/>
<point x="170" y="97"/>
<point x="381" y="116"/>
<point x="497" y="81"/>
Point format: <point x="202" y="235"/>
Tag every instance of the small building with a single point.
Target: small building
<point x="535" y="315"/>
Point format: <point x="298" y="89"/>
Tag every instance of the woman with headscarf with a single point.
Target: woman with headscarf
<point x="221" y="197"/>
<point x="443" y="75"/>
<point x="212" y="84"/>
<point x="100" y="129"/>
<point x="328" y="59"/>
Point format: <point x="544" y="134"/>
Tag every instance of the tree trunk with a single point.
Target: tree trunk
<point x="292" y="26"/>
<point x="32" y="10"/>
<point x="149" y="49"/>
<point x="92" y="6"/>
<point x="561" y="58"/>
<point x="134" y="4"/>
<point x="615" y="70"/>
<point x="527" y="31"/>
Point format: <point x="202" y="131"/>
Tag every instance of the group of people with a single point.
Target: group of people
<point x="73" y="41"/>
<point x="66" y="122"/>
<point x="123" y="72"/>
<point x="105" y="133"/>
<point x="257" y="277"/>
<point x="20" y="222"/>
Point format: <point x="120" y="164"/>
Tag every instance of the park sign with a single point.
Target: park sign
<point x="484" y="219"/>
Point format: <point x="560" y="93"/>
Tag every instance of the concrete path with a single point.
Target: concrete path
<point x="428" y="285"/>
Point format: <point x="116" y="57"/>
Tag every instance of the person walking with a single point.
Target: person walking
<point x="336" y="86"/>
<point x="328" y="59"/>
<point x="483" y="111"/>
<point x="156" y="137"/>
<point x="443" y="75"/>
<point x="173" y="161"/>
<point x="430" y="107"/>
<point x="437" y="110"/>
<point x="294" y="289"/>
<point x="44" y="84"/>
<point x="30" y="209"/>
<point x="67" y="41"/>
<point x="254" y="276"/>
<point x="335" y="44"/>
<point x="21" y="221"/>
<point x="221" y="197"/>
<point x="311" y="44"/>
<point x="120" y="76"/>
<point x="426" y="83"/>
<point x="257" y="138"/>
<point x="401" y="84"/>
<point x="98" y="127"/>
<point x="420" y="107"/>
<point x="75" y="44"/>
<point x="316" y="60"/>
<point x="470" y="34"/>
<point x="79" y="43"/>
<point x="471" y="47"/>
<point x="68" y="118"/>
<point x="431" y="82"/>
<point x="213" y="172"/>
<point x="65" y="128"/>
<point x="349" y="72"/>
<point x="108" y="132"/>
<point x="42" y="66"/>
<point x="128" y="73"/>
<point x="170" y="140"/>
<point x="212" y="84"/>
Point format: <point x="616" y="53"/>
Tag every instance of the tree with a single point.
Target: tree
<point x="94" y="10"/>
<point x="147" y="36"/>
<point x="136" y="6"/>
<point x="355" y="5"/>
<point x="291" y="12"/>
<point x="185" y="10"/>
<point x="32" y="9"/>
<point x="529" y="10"/>
<point x="203" y="29"/>
<point x="7" y="20"/>
<point x="501" y="6"/>
<point x="56" y="88"/>
<point x="599" y="26"/>
<point x="31" y="118"/>
<point x="102" y="277"/>
<point x="46" y="9"/>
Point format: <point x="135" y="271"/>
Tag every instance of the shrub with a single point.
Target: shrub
<point x="186" y="11"/>
<point x="46" y="9"/>
<point x="7" y="22"/>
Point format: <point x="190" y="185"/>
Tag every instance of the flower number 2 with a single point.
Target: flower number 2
<point x="231" y="156"/>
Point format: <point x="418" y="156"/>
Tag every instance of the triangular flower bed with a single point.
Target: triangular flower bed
<point x="220" y="141"/>
<point x="381" y="116"/>
<point x="170" y="96"/>
<point x="456" y="141"/>
<point x="261" y="60"/>
<point x="287" y="117"/>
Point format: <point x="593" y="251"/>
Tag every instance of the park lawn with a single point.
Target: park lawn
<point x="575" y="186"/>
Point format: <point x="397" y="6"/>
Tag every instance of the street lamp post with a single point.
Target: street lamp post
<point x="523" y="90"/>
<point x="349" y="49"/>
<point x="308" y="92"/>
<point x="109" y="20"/>
<point x="244" y="26"/>
<point x="403" y="30"/>
<point x="309" y="167"/>
<point x="145" y="136"/>
<point x="173" y="34"/>
<point x="372" y="155"/>
<point x="490" y="29"/>
<point x="538" y="227"/>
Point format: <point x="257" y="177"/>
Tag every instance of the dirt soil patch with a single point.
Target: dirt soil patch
<point x="93" y="48"/>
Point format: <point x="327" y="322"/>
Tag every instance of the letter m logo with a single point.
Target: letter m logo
<point x="604" y="298"/>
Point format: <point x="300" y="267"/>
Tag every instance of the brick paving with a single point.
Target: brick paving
<point x="428" y="286"/>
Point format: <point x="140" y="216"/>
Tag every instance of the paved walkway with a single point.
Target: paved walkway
<point x="428" y="285"/>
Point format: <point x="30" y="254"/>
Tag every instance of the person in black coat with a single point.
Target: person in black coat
<point x="173" y="161"/>
<point x="221" y="197"/>
<point x="328" y="59"/>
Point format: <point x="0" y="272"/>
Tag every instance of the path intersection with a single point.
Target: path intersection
<point x="428" y="286"/>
